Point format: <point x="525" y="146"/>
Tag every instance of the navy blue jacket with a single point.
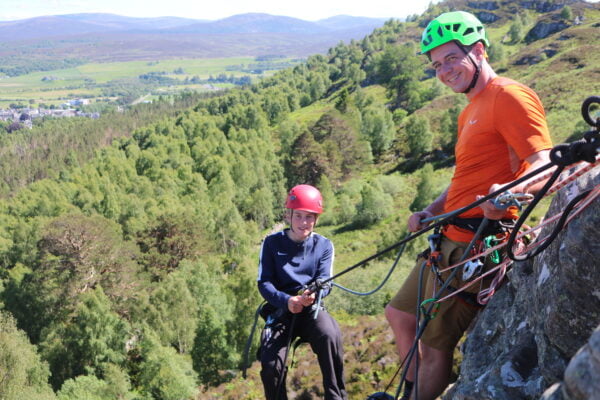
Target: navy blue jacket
<point x="286" y="266"/>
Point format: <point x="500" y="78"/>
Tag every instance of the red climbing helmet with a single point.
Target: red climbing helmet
<point x="305" y="198"/>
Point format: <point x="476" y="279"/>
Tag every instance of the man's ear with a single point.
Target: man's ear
<point x="479" y="50"/>
<point x="287" y="216"/>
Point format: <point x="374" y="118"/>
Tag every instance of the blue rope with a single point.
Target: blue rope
<point x="382" y="283"/>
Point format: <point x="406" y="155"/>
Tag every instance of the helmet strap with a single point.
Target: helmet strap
<point x="291" y="219"/>
<point x="477" y="69"/>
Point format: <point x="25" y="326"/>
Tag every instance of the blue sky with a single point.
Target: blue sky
<point x="310" y="10"/>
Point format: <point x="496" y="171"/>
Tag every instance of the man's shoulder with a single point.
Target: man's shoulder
<point x="507" y="85"/>
<point x="505" y="91"/>
<point x="502" y="81"/>
<point x="321" y="240"/>
<point x="274" y="237"/>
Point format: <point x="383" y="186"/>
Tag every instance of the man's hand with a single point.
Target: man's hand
<point x="295" y="304"/>
<point x="490" y="211"/>
<point x="307" y="298"/>
<point x="414" y="221"/>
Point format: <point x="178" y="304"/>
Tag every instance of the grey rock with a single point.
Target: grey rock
<point x="484" y="5"/>
<point x="543" y="6"/>
<point x="487" y="17"/>
<point x="544" y="29"/>
<point x="582" y="377"/>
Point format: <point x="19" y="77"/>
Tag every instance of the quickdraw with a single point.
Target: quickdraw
<point x="489" y="242"/>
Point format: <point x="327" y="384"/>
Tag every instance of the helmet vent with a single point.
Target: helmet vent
<point x="455" y="27"/>
<point x="440" y="32"/>
<point x="468" y="31"/>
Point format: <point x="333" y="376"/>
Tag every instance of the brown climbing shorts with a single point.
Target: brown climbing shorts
<point x="454" y="315"/>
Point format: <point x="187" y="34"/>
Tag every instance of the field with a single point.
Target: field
<point x="108" y="80"/>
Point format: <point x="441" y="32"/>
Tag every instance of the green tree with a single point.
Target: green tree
<point x="378" y="127"/>
<point x="329" y="201"/>
<point x="566" y="13"/>
<point x="211" y="352"/>
<point x="515" y="31"/>
<point x="342" y="101"/>
<point x="164" y="374"/>
<point x="318" y="86"/>
<point x="399" y="69"/>
<point x="24" y="374"/>
<point x="172" y="311"/>
<point x="171" y="239"/>
<point x="308" y="161"/>
<point x="77" y="254"/>
<point x="374" y="206"/>
<point x="449" y="127"/>
<point x="344" y="150"/>
<point x="83" y="344"/>
<point x="115" y="385"/>
<point x="426" y="190"/>
<point x="346" y="209"/>
<point x="419" y="136"/>
<point x="497" y="54"/>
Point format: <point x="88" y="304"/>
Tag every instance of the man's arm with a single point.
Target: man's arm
<point x="435" y="208"/>
<point x="266" y="278"/>
<point x="324" y="271"/>
<point x="535" y="161"/>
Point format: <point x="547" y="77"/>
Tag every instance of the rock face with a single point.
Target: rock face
<point x="544" y="6"/>
<point x="536" y="324"/>
<point x="544" y="29"/>
<point x="487" y="17"/>
<point x="483" y="5"/>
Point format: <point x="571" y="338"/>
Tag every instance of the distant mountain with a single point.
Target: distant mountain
<point x="121" y="23"/>
<point x="45" y="27"/>
<point x="109" y="37"/>
<point x="255" y="23"/>
<point x="341" y="22"/>
<point x="70" y="25"/>
<point x="80" y="24"/>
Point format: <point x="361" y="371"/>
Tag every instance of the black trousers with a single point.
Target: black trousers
<point x="325" y="339"/>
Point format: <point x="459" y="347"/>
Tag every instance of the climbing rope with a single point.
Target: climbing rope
<point x="383" y="282"/>
<point x="441" y="220"/>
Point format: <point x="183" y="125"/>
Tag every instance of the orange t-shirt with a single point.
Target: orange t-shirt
<point x="497" y="131"/>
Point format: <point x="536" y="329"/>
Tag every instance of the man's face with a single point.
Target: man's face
<point x="302" y="223"/>
<point x="452" y="66"/>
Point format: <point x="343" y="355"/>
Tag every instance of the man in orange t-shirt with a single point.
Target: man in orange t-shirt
<point x="502" y="134"/>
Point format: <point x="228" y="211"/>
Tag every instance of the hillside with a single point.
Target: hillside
<point x="131" y="273"/>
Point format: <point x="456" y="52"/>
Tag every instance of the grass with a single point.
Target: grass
<point x="85" y="80"/>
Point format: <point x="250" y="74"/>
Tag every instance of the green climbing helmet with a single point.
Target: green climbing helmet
<point x="456" y="25"/>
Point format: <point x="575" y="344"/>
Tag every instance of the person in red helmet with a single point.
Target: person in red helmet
<point x="290" y="261"/>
